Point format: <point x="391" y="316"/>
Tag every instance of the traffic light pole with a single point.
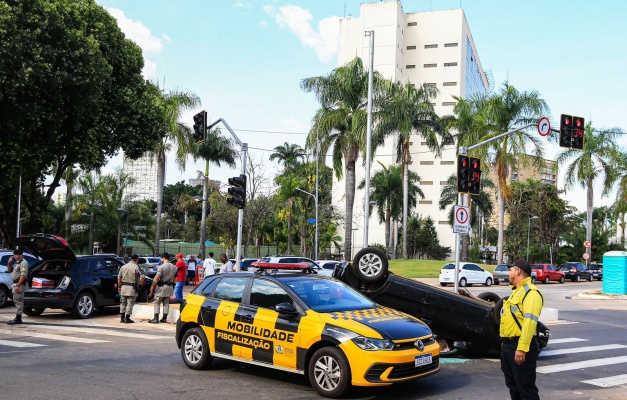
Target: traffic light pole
<point x="240" y="217"/>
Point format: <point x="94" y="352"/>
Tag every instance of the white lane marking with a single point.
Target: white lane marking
<point x="608" y="381"/>
<point x="560" y="322"/>
<point x="597" y="362"/>
<point x="96" y="331"/>
<point x="547" y="353"/>
<point x="51" y="336"/>
<point x="566" y="340"/>
<point x="15" y="343"/>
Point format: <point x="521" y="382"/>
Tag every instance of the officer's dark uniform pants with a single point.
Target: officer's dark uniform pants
<point x="520" y="379"/>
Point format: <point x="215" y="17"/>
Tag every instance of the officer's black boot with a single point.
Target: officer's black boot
<point x="155" y="320"/>
<point x="15" y="321"/>
<point x="165" y="318"/>
<point x="122" y="317"/>
<point x="128" y="319"/>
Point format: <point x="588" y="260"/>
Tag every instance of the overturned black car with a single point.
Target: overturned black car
<point x="459" y="321"/>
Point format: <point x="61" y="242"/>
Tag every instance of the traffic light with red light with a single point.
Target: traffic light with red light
<point x="463" y="173"/>
<point x="200" y="126"/>
<point x="237" y="193"/>
<point x="579" y="128"/>
<point x="566" y="126"/>
<point x="474" y="187"/>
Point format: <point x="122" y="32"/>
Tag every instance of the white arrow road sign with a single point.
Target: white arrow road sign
<point x="461" y="223"/>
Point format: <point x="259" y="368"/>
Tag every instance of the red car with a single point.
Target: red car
<point x="548" y="272"/>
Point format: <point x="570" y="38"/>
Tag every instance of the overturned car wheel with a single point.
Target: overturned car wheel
<point x="370" y="264"/>
<point x="489" y="296"/>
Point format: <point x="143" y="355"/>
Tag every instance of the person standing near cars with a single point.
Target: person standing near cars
<point x="128" y="278"/>
<point x="181" y="277"/>
<point x="227" y="265"/>
<point x="163" y="287"/>
<point x="18" y="266"/>
<point x="191" y="270"/>
<point x="209" y="265"/>
<point x="519" y="318"/>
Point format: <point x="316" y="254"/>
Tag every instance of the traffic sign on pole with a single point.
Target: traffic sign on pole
<point x="586" y="256"/>
<point x="461" y="222"/>
<point x="544" y="126"/>
<point x="587" y="244"/>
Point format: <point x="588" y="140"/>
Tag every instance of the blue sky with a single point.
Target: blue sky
<point x="245" y="60"/>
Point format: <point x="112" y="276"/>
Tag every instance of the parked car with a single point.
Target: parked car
<point x="469" y="273"/>
<point x="328" y="264"/>
<point x="62" y="280"/>
<point x="459" y="321"/>
<point x="245" y="263"/>
<point x="297" y="259"/>
<point x="597" y="271"/>
<point x="576" y="271"/>
<point x="501" y="274"/>
<point x="547" y="272"/>
<point x="6" y="281"/>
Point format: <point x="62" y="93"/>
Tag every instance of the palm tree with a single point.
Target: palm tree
<point x="287" y="192"/>
<point x="288" y="154"/>
<point x="600" y="158"/>
<point x="482" y="118"/>
<point x="174" y="134"/>
<point x="384" y="186"/>
<point x="408" y="111"/>
<point x="340" y="123"/>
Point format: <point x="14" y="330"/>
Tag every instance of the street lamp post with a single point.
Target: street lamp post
<point x="588" y="249"/>
<point x="120" y="211"/>
<point x="91" y="232"/>
<point x="528" y="232"/>
<point x="316" y="205"/>
<point x="206" y="209"/>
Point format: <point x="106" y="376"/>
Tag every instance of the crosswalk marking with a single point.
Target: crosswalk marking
<point x="15" y="343"/>
<point x="51" y="336"/>
<point x="608" y="381"/>
<point x="547" y="353"/>
<point x="566" y="340"/>
<point x="597" y="362"/>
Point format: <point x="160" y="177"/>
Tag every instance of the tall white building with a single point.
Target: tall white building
<point x="144" y="172"/>
<point x="435" y="48"/>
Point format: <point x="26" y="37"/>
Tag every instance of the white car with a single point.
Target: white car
<point x="469" y="273"/>
<point x="328" y="264"/>
<point x="295" y="259"/>
<point x="6" y="282"/>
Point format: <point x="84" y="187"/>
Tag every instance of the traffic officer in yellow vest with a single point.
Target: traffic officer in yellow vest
<point x="18" y="266"/>
<point x="163" y="288"/>
<point x="129" y="278"/>
<point x="519" y="318"/>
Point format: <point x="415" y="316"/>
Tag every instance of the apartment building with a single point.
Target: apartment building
<point x="435" y="48"/>
<point x="144" y="173"/>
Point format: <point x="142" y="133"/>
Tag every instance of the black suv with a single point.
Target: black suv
<point x="597" y="271"/>
<point x="576" y="271"/>
<point x="62" y="280"/>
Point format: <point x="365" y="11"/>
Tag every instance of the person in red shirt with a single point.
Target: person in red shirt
<point x="181" y="276"/>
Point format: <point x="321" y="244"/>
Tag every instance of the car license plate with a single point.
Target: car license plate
<point x="447" y="279"/>
<point x="423" y="360"/>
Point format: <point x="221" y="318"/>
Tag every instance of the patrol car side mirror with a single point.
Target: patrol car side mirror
<point x="285" y="308"/>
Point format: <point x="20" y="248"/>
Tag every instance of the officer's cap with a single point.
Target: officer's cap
<point x="523" y="265"/>
<point x="134" y="257"/>
<point x="18" y="252"/>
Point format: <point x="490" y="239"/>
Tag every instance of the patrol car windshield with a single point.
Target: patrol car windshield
<point x="324" y="295"/>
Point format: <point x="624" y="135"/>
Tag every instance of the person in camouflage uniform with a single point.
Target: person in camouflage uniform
<point x="163" y="288"/>
<point x="18" y="266"/>
<point x="129" y="278"/>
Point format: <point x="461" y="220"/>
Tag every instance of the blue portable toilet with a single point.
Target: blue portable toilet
<point x="615" y="272"/>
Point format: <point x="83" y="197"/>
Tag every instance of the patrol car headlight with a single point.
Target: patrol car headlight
<point x="373" y="344"/>
<point x="63" y="284"/>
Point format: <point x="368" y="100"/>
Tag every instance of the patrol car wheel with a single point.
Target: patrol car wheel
<point x="33" y="312"/>
<point x="370" y="264"/>
<point x="4" y="296"/>
<point x="329" y="372"/>
<point x="195" y="349"/>
<point x="84" y="306"/>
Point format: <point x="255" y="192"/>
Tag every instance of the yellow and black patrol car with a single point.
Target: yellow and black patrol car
<point x="307" y="324"/>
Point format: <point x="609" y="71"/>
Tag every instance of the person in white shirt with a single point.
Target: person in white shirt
<point x="191" y="270"/>
<point x="209" y="265"/>
<point x="227" y="265"/>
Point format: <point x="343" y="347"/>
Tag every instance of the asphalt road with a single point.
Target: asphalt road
<point x="55" y="356"/>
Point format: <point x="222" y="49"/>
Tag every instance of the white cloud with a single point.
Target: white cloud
<point x="263" y="24"/>
<point x="166" y="38"/>
<point x="299" y="20"/>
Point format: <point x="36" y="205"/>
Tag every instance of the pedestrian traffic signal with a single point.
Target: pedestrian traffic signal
<point x="566" y="126"/>
<point x="237" y="193"/>
<point x="579" y="128"/>
<point x="200" y="126"/>
<point x="474" y="187"/>
<point x="463" y="173"/>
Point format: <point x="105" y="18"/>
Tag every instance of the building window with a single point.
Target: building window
<point x="451" y="64"/>
<point x="431" y="46"/>
<point x="412" y="24"/>
<point x="426" y="162"/>
<point x="443" y="183"/>
<point x="450" y="44"/>
<point x="448" y="103"/>
<point x="410" y="66"/>
<point x="423" y="143"/>
<point x="411" y="47"/>
<point x="447" y="162"/>
<point x="444" y="223"/>
<point x="449" y="84"/>
<point x="433" y="104"/>
<point x="430" y="84"/>
<point x="426" y="182"/>
<point x="425" y="202"/>
<point x="430" y="65"/>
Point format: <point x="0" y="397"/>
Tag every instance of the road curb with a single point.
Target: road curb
<point x="146" y="311"/>
<point x="597" y="296"/>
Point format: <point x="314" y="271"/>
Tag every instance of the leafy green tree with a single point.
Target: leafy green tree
<point x="288" y="154"/>
<point x="340" y="125"/>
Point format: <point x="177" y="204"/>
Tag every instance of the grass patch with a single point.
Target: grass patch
<point x="424" y="268"/>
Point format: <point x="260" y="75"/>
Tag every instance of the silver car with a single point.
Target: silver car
<point x="501" y="273"/>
